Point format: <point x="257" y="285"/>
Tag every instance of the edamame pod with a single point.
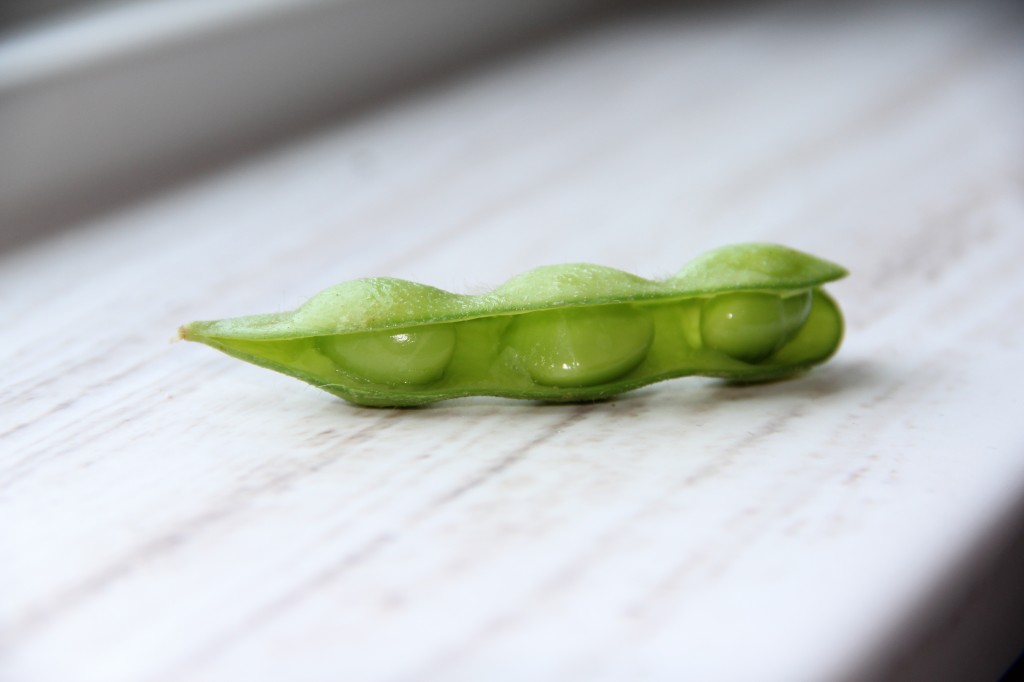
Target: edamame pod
<point x="562" y="333"/>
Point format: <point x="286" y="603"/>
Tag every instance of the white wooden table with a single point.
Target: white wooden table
<point x="168" y="513"/>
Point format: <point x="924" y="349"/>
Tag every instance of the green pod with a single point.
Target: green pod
<point x="562" y="333"/>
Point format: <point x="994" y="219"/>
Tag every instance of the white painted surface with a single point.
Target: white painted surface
<point x="167" y="513"/>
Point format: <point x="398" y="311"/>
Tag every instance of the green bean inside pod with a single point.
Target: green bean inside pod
<point x="748" y="312"/>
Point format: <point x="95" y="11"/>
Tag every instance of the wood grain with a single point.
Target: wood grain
<point x="167" y="513"/>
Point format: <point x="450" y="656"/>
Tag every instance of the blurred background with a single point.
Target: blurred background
<point x="104" y="101"/>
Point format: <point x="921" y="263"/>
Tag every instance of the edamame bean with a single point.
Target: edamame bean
<point x="581" y="346"/>
<point x="750" y="326"/>
<point x="748" y="312"/>
<point x="417" y="355"/>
